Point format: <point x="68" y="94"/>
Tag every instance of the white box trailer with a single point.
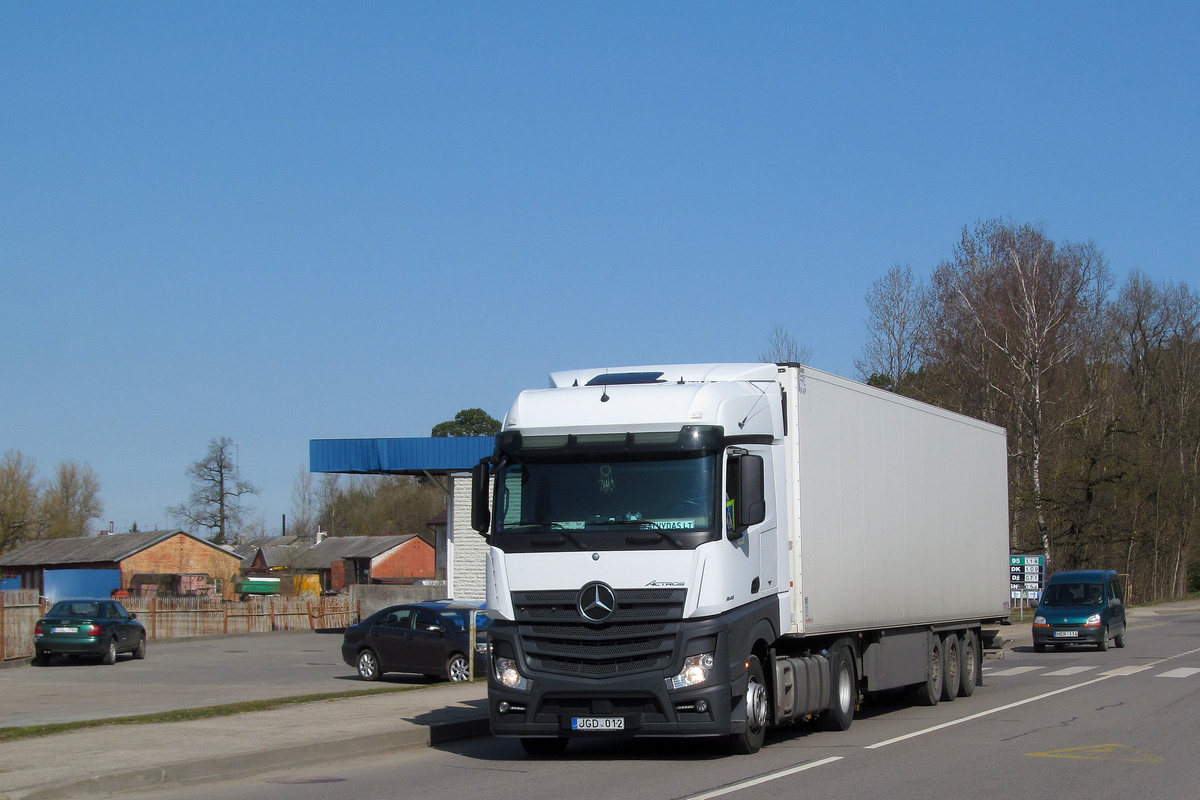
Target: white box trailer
<point x="899" y="509"/>
<point x="713" y="549"/>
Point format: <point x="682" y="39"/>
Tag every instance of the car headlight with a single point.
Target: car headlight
<point x="505" y="670"/>
<point x="696" y="670"/>
<point x="1093" y="620"/>
<point x="1039" y="620"/>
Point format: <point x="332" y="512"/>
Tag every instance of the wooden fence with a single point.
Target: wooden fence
<point x="182" y="617"/>
<point x="19" y="612"/>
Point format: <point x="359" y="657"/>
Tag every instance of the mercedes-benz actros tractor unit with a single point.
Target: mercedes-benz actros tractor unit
<point x="715" y="549"/>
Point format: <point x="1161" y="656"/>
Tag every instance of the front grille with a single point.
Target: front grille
<point x="640" y="635"/>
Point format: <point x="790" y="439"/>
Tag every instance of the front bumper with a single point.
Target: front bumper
<point x="1068" y="634"/>
<point x="644" y="701"/>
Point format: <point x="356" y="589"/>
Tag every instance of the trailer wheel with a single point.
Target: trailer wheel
<point x="950" y="666"/>
<point x="929" y="692"/>
<point x="968" y="653"/>
<point x="841" y="692"/>
<point x="750" y="740"/>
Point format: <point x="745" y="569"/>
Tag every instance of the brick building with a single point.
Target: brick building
<point x="155" y="553"/>
<point x="345" y="560"/>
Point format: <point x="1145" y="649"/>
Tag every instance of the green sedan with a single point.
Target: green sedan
<point x="97" y="627"/>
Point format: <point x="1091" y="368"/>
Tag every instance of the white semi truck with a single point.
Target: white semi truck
<point x="715" y="549"/>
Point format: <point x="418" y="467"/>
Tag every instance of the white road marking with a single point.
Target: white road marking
<point x="990" y="711"/>
<point x="1004" y="673"/>
<point x="772" y="776"/>
<point x="1182" y="672"/>
<point x="1071" y="670"/>
<point x="1126" y="670"/>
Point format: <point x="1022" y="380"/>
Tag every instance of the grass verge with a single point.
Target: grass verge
<point x="183" y="715"/>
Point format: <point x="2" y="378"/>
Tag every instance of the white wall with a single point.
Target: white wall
<point x="466" y="574"/>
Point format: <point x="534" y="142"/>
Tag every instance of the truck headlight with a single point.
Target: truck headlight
<point x="505" y="670"/>
<point x="696" y="670"/>
<point x="1093" y="620"/>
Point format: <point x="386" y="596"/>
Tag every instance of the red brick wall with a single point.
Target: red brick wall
<point x="413" y="559"/>
<point x="182" y="553"/>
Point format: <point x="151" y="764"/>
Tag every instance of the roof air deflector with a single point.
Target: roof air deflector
<point x="626" y="378"/>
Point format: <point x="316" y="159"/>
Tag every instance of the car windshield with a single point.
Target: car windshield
<point x="608" y="502"/>
<point x="70" y="608"/>
<point x="1074" y="594"/>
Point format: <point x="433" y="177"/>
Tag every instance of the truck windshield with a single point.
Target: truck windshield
<point x="607" y="502"/>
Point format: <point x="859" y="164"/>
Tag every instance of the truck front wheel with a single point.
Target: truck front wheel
<point x="750" y="740"/>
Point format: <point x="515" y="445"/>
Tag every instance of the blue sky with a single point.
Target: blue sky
<point x="278" y="222"/>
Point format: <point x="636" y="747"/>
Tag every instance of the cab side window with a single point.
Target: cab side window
<point x="1116" y="590"/>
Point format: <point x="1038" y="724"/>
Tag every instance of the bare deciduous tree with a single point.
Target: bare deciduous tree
<point x="304" y="505"/>
<point x="895" y="319"/>
<point x="70" y="502"/>
<point x="217" y="502"/>
<point x="18" y="499"/>
<point x="782" y="348"/>
<point x="1026" y="307"/>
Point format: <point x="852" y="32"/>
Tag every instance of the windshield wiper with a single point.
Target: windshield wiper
<point x="560" y="535"/>
<point x="659" y="535"/>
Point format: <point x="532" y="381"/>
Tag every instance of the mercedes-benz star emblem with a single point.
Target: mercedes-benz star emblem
<point x="597" y="602"/>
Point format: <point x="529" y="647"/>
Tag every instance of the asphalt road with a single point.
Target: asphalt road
<point x="188" y="673"/>
<point x="1079" y="723"/>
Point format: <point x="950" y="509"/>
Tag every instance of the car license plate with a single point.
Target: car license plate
<point x="597" y="723"/>
<point x="64" y="630"/>
<point x="1066" y="634"/>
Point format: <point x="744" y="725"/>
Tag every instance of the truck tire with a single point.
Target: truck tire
<point x="750" y="740"/>
<point x="930" y="692"/>
<point x="951" y="664"/>
<point x="968" y="653"/>
<point x="841" y="692"/>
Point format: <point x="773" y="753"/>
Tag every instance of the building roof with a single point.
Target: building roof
<point x="91" y="549"/>
<point x="336" y="548"/>
<point x="416" y="456"/>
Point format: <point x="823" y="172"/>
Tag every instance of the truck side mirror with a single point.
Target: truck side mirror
<point x="751" y="506"/>
<point x="481" y="513"/>
<point x="749" y="494"/>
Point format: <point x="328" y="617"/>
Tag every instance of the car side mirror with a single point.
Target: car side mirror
<point x="132" y="615"/>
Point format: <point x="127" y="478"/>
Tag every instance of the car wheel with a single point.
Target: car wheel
<point x="140" y="651"/>
<point x="368" y="665"/>
<point x="41" y="659"/>
<point x="110" y="655"/>
<point x="1102" y="645"/>
<point x="458" y="669"/>
<point x="1119" y="640"/>
<point x="544" y="748"/>
<point x="1038" y="647"/>
<point x="750" y="740"/>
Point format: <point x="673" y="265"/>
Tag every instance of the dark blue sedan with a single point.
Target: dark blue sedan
<point x="432" y="639"/>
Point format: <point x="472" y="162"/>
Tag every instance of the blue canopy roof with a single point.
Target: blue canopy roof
<point x="399" y="456"/>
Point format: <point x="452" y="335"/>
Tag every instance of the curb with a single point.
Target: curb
<point x="222" y="768"/>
